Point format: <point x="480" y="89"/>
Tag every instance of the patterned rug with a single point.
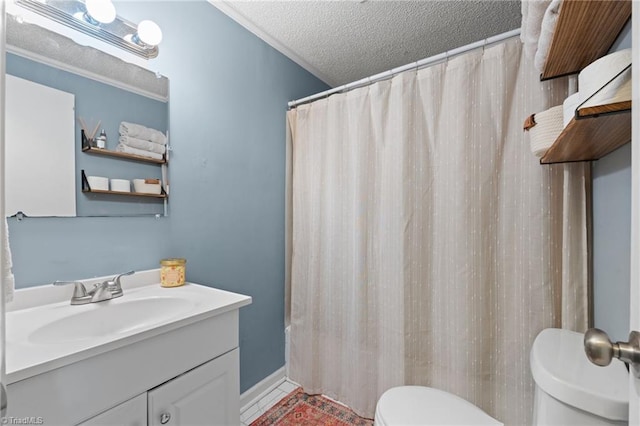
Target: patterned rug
<point x="298" y="408"/>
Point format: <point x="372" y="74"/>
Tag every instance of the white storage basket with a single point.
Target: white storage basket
<point x="547" y="128"/>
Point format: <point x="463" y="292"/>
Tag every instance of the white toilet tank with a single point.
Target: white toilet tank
<point x="570" y="390"/>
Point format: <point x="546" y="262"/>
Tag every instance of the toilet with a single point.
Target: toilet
<point x="570" y="390"/>
<point x="419" y="405"/>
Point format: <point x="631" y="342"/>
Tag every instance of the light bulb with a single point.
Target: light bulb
<point x="149" y="33"/>
<point x="102" y="11"/>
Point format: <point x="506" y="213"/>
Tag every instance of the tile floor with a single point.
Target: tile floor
<point x="268" y="401"/>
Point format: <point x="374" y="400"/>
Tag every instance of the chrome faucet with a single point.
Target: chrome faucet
<point x="105" y="290"/>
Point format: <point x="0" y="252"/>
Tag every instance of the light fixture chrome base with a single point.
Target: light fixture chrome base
<point x="119" y="33"/>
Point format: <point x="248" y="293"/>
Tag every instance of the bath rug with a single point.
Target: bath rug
<point x="298" y="408"/>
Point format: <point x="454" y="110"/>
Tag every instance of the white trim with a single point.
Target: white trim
<point x="228" y="9"/>
<point x="261" y="389"/>
<point x="82" y="72"/>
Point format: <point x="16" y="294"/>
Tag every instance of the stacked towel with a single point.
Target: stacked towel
<point x="140" y="140"/>
<point x="142" y="144"/>
<point x="141" y="152"/>
<point x="546" y="33"/>
<point x="539" y="19"/>
<point x="595" y="81"/>
<point x="141" y="132"/>
<point x="532" y="16"/>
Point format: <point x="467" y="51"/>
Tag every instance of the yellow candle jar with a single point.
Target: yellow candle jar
<point x="172" y="272"/>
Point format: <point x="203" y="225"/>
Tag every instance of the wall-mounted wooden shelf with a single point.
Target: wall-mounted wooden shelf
<point x="86" y="188"/>
<point x="126" y="194"/>
<point x="594" y="133"/>
<point x="123" y="155"/>
<point x="585" y="31"/>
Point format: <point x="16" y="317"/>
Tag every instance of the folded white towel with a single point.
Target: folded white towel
<point x="142" y="144"/>
<point x="140" y="152"/>
<point x="546" y="33"/>
<point x="569" y="108"/>
<point x="532" y="15"/>
<point x="8" y="281"/>
<point x="141" y="132"/>
<point x="596" y="87"/>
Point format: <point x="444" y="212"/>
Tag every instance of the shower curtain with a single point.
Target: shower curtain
<point x="428" y="245"/>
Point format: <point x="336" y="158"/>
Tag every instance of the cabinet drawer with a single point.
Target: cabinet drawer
<point x="130" y="413"/>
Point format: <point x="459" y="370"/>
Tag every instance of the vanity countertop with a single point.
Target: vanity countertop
<point x="44" y="332"/>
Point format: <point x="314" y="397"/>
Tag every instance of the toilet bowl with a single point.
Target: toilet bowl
<point x="419" y="405"/>
<point x="570" y="390"/>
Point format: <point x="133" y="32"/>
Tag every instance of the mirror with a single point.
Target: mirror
<point x="55" y="87"/>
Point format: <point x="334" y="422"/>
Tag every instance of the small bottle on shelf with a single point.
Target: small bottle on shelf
<point x="101" y="141"/>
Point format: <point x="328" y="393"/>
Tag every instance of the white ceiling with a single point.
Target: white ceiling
<point x="346" y="40"/>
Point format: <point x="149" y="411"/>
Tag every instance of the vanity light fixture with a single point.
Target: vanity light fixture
<point x="100" y="12"/>
<point x="149" y="34"/>
<point x="98" y="19"/>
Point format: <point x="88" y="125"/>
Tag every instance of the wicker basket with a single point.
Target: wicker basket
<point x="545" y="128"/>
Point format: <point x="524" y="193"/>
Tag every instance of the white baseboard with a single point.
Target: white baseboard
<point x="261" y="389"/>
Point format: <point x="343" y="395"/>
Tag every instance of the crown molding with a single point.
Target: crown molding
<point x="228" y="9"/>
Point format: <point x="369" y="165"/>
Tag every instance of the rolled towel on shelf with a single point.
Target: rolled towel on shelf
<point x="141" y="152"/>
<point x="547" y="29"/>
<point x="142" y="144"/>
<point x="532" y="16"/>
<point x="141" y="132"/>
<point x="569" y="108"/>
<point x="594" y="81"/>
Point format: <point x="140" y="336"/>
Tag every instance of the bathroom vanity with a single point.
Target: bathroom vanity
<point x="154" y="356"/>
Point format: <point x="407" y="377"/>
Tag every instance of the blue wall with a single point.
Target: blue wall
<point x="229" y="92"/>
<point x="612" y="233"/>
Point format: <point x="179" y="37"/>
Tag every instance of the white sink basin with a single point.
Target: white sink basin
<point x="52" y="333"/>
<point x="111" y="318"/>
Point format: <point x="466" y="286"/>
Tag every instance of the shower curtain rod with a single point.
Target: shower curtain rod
<point x="414" y="65"/>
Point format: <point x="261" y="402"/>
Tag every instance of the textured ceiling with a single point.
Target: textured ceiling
<point x="343" y="41"/>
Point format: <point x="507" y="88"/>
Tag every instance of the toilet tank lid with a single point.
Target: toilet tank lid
<point x="419" y="405"/>
<point x="561" y="369"/>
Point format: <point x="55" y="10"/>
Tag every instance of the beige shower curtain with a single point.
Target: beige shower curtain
<point x="428" y="245"/>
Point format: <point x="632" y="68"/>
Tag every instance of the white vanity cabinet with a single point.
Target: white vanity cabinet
<point x="184" y="371"/>
<point x="206" y="395"/>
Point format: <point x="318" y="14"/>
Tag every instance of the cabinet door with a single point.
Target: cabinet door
<point x="207" y="395"/>
<point x="130" y="413"/>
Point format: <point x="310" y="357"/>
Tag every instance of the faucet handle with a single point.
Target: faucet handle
<point x="78" y="291"/>
<point x="116" y="279"/>
<point x="114" y="284"/>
